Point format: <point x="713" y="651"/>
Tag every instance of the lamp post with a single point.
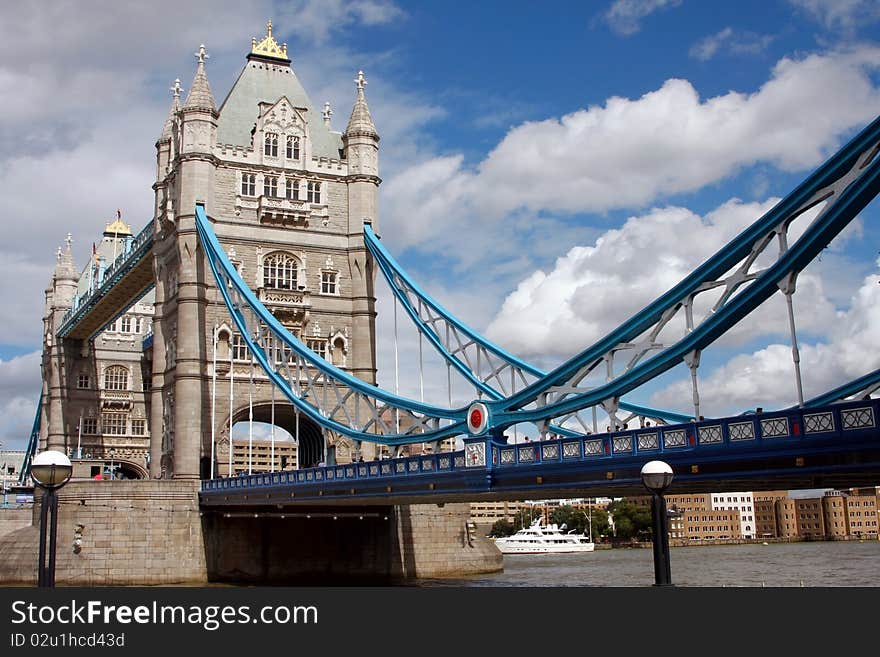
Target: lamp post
<point x="50" y="470"/>
<point x="656" y="477"/>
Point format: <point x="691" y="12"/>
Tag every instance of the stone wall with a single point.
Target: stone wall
<point x="439" y="541"/>
<point x="152" y="532"/>
<point x="15" y="517"/>
<point x="122" y="532"/>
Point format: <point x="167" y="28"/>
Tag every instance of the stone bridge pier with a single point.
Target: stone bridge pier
<point x="129" y="532"/>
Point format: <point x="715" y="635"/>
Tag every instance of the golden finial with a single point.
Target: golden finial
<point x="117" y="228"/>
<point x="268" y="47"/>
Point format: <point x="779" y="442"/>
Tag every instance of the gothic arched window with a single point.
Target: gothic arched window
<point x="280" y="271"/>
<point x="293" y="148"/>
<point x="270" y="144"/>
<point x="116" y="378"/>
<point x="313" y="192"/>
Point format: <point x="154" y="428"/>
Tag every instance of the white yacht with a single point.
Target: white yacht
<point x="540" y="539"/>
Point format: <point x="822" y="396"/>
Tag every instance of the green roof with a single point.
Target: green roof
<point x="261" y="81"/>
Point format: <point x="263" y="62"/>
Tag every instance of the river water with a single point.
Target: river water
<point x="808" y="564"/>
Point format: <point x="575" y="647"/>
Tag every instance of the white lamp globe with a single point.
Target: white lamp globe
<point x="51" y="469"/>
<point x="656" y="476"/>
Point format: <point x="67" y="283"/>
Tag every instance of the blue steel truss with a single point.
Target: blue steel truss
<point x="326" y="394"/>
<point x="860" y="388"/>
<point x="839" y="190"/>
<point x="841" y="187"/>
<point x="489" y="368"/>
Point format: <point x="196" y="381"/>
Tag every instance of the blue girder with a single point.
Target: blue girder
<point x="845" y="207"/>
<point x="227" y="276"/>
<point x="390" y="268"/>
<point x="854" y="387"/>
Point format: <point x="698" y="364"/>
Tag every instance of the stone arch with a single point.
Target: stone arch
<point x="310" y="449"/>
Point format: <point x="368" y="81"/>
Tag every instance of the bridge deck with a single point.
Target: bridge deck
<point x="834" y="446"/>
<point x="126" y="281"/>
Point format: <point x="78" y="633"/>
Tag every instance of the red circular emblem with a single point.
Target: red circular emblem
<point x="477" y="418"/>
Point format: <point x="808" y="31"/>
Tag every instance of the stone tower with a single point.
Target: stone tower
<point x="287" y="197"/>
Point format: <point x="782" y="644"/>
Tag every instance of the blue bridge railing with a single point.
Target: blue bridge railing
<point x="712" y="438"/>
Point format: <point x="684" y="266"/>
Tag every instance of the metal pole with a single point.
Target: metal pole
<point x="298" y="446"/>
<point x="41" y="564"/>
<point x="795" y="353"/>
<point x="449" y="389"/>
<point x="53" y="532"/>
<point x="272" y="386"/>
<point x="662" y="574"/>
<point x="214" y="402"/>
<point x="251" y="419"/>
<point x="231" y="397"/>
<point x="421" y="371"/>
<point x="396" y="371"/>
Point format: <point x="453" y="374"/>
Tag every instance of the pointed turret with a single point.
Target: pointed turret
<point x="361" y="123"/>
<point x="65" y="276"/>
<point x="200" y="95"/>
<point x="172" y="113"/>
<point x="198" y="115"/>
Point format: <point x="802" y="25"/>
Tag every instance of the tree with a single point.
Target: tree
<point x="630" y="520"/>
<point x="501" y="528"/>
<point x="579" y="520"/>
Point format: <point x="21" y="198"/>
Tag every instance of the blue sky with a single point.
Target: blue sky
<point x="548" y="168"/>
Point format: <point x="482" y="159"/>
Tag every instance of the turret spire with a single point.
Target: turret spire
<point x="200" y="95"/>
<point x="360" y="122"/>
<point x="175" y="108"/>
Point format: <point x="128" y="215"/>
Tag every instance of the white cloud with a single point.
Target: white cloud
<point x="669" y="141"/>
<point x="316" y="20"/>
<point x="19" y="392"/>
<point x="631" y="152"/>
<point x="766" y="377"/>
<point x="624" y="16"/>
<point x="843" y="15"/>
<point x="592" y="289"/>
<point x="735" y="41"/>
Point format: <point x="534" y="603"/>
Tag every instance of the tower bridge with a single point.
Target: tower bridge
<point x="250" y="295"/>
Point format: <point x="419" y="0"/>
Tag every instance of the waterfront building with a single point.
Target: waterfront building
<point x="861" y="514"/>
<point x="10" y="467"/>
<point x="488" y="513"/>
<point x="686" y="502"/>
<point x="741" y="502"/>
<point x="834" y="512"/>
<point x="257" y="456"/>
<point x="765" y="519"/>
<point x="786" y="518"/>
<point x="810" y="520"/>
<point x="711" y="524"/>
